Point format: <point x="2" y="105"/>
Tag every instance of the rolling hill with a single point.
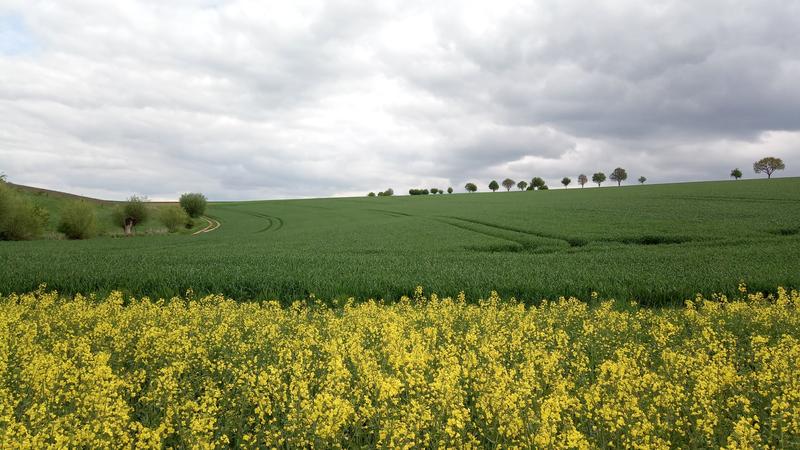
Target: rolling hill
<point x="655" y="243"/>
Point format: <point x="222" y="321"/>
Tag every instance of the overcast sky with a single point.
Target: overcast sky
<point x="260" y="99"/>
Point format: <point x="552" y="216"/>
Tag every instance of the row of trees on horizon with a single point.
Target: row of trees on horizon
<point x="766" y="165"/>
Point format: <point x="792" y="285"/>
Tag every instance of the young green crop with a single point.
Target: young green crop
<point x="657" y="243"/>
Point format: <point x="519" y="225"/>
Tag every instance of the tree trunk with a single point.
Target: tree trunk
<point x="128" y="227"/>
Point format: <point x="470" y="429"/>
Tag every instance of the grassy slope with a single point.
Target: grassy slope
<point x="55" y="201"/>
<point x="659" y="243"/>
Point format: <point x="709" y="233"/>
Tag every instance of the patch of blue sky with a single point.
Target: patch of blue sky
<point x="15" y="36"/>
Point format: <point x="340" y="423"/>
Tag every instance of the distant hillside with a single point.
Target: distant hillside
<point x="55" y="194"/>
<point x="659" y="244"/>
<point x="54" y="202"/>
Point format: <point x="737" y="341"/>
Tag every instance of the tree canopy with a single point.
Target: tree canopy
<point x="537" y="182"/>
<point x="768" y="165"/>
<point x="194" y="203"/>
<point x="599" y="178"/>
<point x="619" y="175"/>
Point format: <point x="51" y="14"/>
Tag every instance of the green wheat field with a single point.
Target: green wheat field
<point x="660" y="244"/>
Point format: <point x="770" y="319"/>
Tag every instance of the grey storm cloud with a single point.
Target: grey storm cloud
<point x="247" y="99"/>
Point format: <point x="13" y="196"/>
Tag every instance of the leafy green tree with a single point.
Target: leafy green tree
<point x="566" y="181"/>
<point x="537" y="182"/>
<point x="522" y="185"/>
<point x="599" y="178"/>
<point x="619" y="175"/>
<point x="543" y="188"/>
<point x="20" y="218"/>
<point x="494" y="186"/>
<point x="78" y="220"/>
<point x="3" y="177"/>
<point x="471" y="187"/>
<point x="434" y="191"/>
<point x="371" y="194"/>
<point x="131" y="213"/>
<point x="768" y="165"/>
<point x="194" y="204"/>
<point x="173" y="218"/>
<point x="582" y="179"/>
<point x="642" y="179"/>
<point x="736" y="173"/>
<point x="388" y="193"/>
<point x="508" y="183"/>
<point x="450" y="190"/>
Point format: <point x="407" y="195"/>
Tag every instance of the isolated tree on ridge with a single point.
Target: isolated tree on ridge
<point x="768" y="165"/>
<point x="508" y="183"/>
<point x="471" y="187"/>
<point x="566" y="181"/>
<point x="371" y="194"/>
<point x="582" y="179"/>
<point x="494" y="186"/>
<point x="522" y="185"/>
<point x="450" y="190"/>
<point x="537" y="183"/>
<point x="599" y="178"/>
<point x="642" y="179"/>
<point x="619" y="175"/>
<point x="736" y="173"/>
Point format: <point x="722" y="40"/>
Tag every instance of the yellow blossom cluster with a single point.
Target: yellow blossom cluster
<point x="425" y="371"/>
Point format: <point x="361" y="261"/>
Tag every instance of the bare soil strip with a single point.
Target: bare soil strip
<point x="212" y="225"/>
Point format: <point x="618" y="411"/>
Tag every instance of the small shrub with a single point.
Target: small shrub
<point x="20" y="219"/>
<point x="173" y="218"/>
<point x="194" y="204"/>
<point x="25" y="223"/>
<point x="78" y="220"/>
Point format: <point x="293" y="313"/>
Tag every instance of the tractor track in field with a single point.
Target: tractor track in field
<point x="212" y="225"/>
<point x="273" y="223"/>
<point x="277" y="222"/>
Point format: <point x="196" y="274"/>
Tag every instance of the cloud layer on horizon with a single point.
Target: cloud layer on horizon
<point x="246" y="99"/>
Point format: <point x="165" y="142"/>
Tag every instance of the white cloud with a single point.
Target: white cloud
<point x="253" y="99"/>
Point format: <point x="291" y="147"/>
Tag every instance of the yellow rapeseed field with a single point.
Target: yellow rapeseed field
<point x="421" y="372"/>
